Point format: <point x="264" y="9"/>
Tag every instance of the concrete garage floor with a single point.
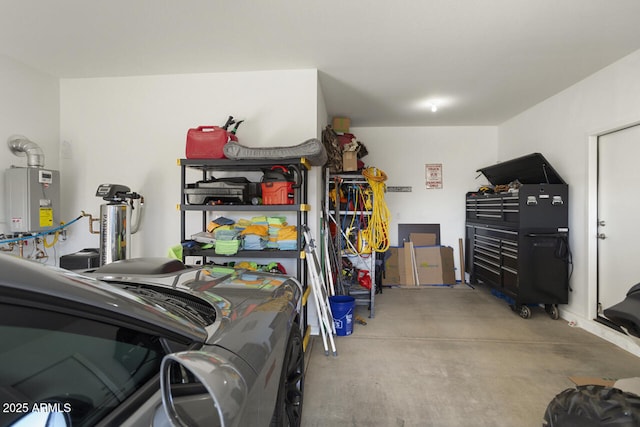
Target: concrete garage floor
<point x="451" y="357"/>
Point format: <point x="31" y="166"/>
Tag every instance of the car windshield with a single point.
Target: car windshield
<point x="62" y="363"/>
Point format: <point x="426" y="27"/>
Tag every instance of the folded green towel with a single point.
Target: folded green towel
<point x="227" y="247"/>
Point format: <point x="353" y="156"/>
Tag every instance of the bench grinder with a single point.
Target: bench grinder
<point x="116" y="226"/>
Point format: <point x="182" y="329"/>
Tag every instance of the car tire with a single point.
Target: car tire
<point x="288" y="410"/>
<point x="593" y="406"/>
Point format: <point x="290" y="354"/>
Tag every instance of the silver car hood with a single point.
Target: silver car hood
<point x="223" y="288"/>
<point x="250" y="305"/>
<point x="35" y="283"/>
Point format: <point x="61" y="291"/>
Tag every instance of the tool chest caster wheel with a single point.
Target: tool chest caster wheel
<point x="525" y="311"/>
<point x="552" y="311"/>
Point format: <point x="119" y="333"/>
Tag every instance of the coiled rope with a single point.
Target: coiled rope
<point x="380" y="215"/>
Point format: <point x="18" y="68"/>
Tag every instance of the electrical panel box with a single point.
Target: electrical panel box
<point x="32" y="199"/>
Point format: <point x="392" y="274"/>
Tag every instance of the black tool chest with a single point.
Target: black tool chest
<point x="517" y="237"/>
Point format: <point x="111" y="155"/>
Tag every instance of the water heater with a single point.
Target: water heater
<point x="32" y="199"/>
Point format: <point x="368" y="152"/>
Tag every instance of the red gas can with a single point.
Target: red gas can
<point x="206" y="142"/>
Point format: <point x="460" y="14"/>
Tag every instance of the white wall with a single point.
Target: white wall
<point x="560" y="128"/>
<point x="131" y="131"/>
<point x="29" y="106"/>
<point x="402" y="154"/>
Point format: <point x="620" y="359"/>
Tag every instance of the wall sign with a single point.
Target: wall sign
<point x="433" y="175"/>
<point x="399" y="189"/>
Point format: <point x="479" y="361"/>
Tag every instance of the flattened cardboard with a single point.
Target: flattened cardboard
<point x="405" y="263"/>
<point x="422" y="239"/>
<point x="392" y="267"/>
<point x="448" y="266"/>
<point x="606" y="382"/>
<point x="435" y="265"/>
<point x="402" y="268"/>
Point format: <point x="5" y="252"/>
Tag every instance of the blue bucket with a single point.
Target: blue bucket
<point x="342" y="309"/>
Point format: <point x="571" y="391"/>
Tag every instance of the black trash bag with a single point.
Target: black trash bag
<point x="593" y="406"/>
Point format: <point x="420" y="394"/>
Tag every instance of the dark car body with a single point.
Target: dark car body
<point x="97" y="346"/>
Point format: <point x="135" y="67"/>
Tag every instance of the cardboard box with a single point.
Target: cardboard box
<point x="341" y="124"/>
<point x="422" y="239"/>
<point x="349" y="161"/>
<point x="391" y="267"/>
<point x="434" y="265"/>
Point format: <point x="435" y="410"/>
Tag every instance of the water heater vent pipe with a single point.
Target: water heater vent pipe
<point x="21" y="146"/>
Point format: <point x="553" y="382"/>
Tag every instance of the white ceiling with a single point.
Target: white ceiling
<point x="484" y="61"/>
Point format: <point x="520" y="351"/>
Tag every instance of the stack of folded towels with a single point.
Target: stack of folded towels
<point x="255" y="237"/>
<point x="227" y="240"/>
<point x="259" y="233"/>
<point x="276" y="223"/>
<point x="287" y="238"/>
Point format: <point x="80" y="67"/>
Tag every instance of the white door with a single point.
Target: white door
<point x="618" y="219"/>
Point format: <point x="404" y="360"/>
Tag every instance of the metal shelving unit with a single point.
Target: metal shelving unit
<point x="299" y="209"/>
<point x="335" y="215"/>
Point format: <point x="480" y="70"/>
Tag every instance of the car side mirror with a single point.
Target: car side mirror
<point x="201" y="389"/>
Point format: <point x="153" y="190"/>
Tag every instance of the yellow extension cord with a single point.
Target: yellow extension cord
<point x="380" y="215"/>
<point x="55" y="239"/>
<point x="50" y="245"/>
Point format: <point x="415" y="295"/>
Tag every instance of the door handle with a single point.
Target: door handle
<point x="602" y="236"/>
